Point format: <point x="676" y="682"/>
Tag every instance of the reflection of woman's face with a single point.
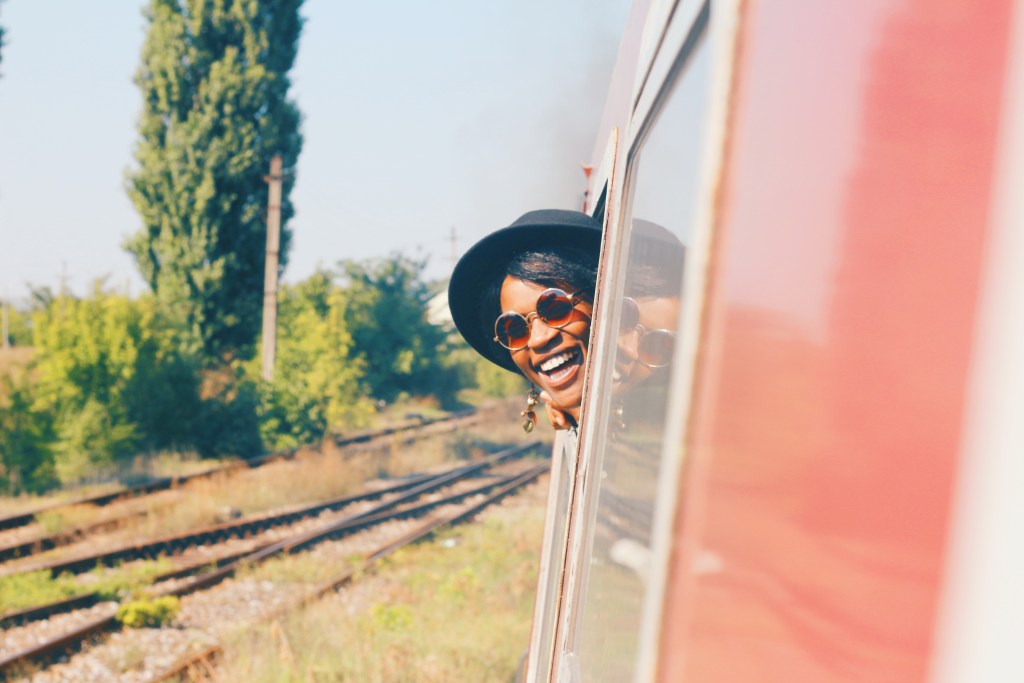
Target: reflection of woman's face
<point x="657" y="314"/>
<point x="554" y="358"/>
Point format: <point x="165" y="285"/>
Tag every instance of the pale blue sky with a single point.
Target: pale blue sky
<point x="419" y="116"/>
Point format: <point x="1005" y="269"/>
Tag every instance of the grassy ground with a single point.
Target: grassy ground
<point x="21" y="591"/>
<point x="455" y="608"/>
<point x="310" y="476"/>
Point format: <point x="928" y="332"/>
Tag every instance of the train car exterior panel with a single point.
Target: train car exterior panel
<point x="830" y="412"/>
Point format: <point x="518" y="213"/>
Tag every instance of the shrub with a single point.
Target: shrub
<point x="386" y="313"/>
<point x="148" y="613"/>
<point x="26" y="431"/>
<point x="495" y="381"/>
<point x="111" y="377"/>
<point x="90" y="439"/>
<point x="317" y="383"/>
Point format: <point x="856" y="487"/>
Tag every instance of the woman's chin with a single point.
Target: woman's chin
<point x="567" y="392"/>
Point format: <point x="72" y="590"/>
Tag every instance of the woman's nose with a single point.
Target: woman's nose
<point x="628" y="344"/>
<point x="540" y="333"/>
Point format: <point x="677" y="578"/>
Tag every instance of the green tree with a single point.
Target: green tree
<point x="317" y="383"/>
<point x="26" y="433"/>
<point x="387" y="317"/>
<point x="112" y="381"/>
<point x="215" y="110"/>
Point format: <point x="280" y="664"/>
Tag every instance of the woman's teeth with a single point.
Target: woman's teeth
<point x="556" y="361"/>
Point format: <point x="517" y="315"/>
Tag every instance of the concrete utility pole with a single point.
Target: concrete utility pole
<point x="270" y="275"/>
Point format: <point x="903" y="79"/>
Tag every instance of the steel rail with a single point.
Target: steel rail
<point x="85" y="599"/>
<point x="219" y="532"/>
<point x="351" y="524"/>
<point x="362" y="520"/>
<point x="40" y="612"/>
<point x="162" y="483"/>
<point x="189" y="662"/>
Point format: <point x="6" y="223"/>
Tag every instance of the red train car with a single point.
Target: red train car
<point x="802" y="441"/>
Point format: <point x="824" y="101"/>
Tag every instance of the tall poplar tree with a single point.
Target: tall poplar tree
<point x="214" y="81"/>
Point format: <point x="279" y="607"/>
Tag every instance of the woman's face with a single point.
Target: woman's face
<point x="554" y="358"/>
<point x="660" y="314"/>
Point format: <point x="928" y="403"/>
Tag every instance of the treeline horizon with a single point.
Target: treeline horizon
<point x="174" y="369"/>
<point x="111" y="377"/>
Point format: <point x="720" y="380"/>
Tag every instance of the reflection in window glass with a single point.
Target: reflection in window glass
<point x="639" y="356"/>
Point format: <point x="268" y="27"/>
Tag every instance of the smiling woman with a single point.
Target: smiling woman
<point x="523" y="298"/>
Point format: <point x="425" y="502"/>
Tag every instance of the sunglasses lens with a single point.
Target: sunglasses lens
<point x="655" y="349"/>
<point x="630" y="315"/>
<point x="512" y="330"/>
<point x="554" y="307"/>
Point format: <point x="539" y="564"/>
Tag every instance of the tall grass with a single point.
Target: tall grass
<point x="454" y="609"/>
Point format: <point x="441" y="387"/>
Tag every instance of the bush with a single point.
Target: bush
<point x="26" y="431"/>
<point x="317" y="385"/>
<point x="114" y="380"/>
<point x="148" y="613"/>
<point x="90" y="440"/>
<point x="228" y="421"/>
<point x="386" y="313"/>
<point x="497" y="382"/>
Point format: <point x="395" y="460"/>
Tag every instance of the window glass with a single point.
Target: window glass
<point x="550" y="581"/>
<point x="556" y="531"/>
<point x="637" y="350"/>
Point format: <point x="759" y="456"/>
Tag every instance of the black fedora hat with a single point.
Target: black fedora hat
<point x="478" y="266"/>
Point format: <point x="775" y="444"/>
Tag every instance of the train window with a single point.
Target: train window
<point x="553" y="554"/>
<point x="636" y="351"/>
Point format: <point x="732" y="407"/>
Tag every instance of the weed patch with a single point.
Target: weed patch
<point x="148" y="613"/>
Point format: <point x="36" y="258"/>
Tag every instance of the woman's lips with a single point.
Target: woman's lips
<point x="566" y="373"/>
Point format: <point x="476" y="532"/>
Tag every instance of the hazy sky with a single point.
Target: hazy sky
<point x="418" y="117"/>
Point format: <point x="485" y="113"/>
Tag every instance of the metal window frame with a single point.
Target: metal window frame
<point x="665" y="55"/>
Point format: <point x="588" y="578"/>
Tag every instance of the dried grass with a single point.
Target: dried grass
<point x="454" y="609"/>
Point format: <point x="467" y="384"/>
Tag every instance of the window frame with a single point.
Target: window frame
<point x="665" y="58"/>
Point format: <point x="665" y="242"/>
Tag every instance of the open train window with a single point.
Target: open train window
<point x="627" y="429"/>
<point x="561" y="494"/>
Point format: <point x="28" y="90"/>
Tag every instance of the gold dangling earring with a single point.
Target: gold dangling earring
<point x="532" y="399"/>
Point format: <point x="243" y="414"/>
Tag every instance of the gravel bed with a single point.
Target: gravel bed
<point x="20" y="638"/>
<point x="129" y="656"/>
<point x="207" y="553"/>
<point x="135" y="655"/>
<point x="114" y="538"/>
<point x="233" y="602"/>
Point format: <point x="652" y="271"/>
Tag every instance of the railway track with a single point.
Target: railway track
<point x="163" y="483"/>
<point x="27" y="546"/>
<point x="201" y="664"/>
<point x="175" y="545"/>
<point x="404" y="506"/>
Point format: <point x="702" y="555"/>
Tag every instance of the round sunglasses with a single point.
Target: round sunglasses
<point x="554" y="308"/>
<point x="655" y="347"/>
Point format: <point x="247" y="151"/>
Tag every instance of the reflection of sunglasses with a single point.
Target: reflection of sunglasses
<point x="655" y="347"/>
<point x="554" y="308"/>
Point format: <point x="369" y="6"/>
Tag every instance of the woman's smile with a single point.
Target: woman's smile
<point x="562" y="367"/>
